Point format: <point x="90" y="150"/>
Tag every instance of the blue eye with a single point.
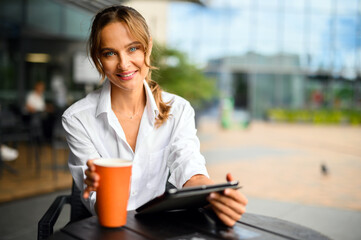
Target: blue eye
<point x="133" y="49"/>
<point x="108" y="54"/>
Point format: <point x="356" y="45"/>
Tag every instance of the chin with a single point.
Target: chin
<point x="127" y="85"/>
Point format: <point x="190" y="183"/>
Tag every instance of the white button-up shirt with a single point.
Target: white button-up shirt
<point x="94" y="131"/>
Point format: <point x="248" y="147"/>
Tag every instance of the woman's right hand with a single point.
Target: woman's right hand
<point x="91" y="180"/>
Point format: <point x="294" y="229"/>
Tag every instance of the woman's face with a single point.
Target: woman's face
<point x="122" y="57"/>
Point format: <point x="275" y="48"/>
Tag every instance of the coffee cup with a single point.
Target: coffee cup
<point x="113" y="190"/>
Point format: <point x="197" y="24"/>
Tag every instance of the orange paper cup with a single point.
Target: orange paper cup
<point x="113" y="190"/>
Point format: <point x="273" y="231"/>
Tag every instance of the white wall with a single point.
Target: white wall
<point x="156" y="14"/>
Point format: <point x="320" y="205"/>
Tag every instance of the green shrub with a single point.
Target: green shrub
<point x="321" y="116"/>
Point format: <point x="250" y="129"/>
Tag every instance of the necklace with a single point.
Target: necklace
<point x="130" y="117"/>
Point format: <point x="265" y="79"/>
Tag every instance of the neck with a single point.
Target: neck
<point x="128" y="102"/>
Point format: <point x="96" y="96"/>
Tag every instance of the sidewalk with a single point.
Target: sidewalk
<point x="279" y="167"/>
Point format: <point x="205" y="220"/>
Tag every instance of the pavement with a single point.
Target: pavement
<point x="19" y="219"/>
<point x="279" y="167"/>
<point x="306" y="174"/>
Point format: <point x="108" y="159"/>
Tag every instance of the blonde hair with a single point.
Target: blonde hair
<point x="139" y="30"/>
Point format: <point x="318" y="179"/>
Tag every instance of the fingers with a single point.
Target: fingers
<point x="226" y="213"/>
<point x="91" y="180"/>
<point x="228" y="220"/>
<point x="236" y="205"/>
<point x="87" y="191"/>
<point x="229" y="206"/>
<point x="236" y="196"/>
<point x="91" y="165"/>
<point x="229" y="177"/>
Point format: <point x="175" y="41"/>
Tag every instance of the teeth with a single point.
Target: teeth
<point x="127" y="75"/>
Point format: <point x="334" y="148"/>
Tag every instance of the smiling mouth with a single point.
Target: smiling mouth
<point x="126" y="76"/>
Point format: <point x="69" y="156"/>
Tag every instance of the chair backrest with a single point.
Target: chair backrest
<point x="78" y="210"/>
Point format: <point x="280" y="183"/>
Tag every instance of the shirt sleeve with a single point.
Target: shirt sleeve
<point x="81" y="150"/>
<point x="185" y="159"/>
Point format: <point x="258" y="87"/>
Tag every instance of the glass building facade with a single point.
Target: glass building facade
<point x="38" y="40"/>
<point x="276" y="52"/>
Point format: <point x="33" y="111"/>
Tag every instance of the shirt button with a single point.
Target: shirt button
<point x="133" y="193"/>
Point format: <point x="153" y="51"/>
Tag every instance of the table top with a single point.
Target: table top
<point x="187" y="225"/>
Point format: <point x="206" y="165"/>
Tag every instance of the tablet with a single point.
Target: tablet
<point x="185" y="198"/>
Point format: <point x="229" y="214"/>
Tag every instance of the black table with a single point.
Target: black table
<point x="186" y="225"/>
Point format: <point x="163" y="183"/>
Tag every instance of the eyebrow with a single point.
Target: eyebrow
<point x="106" y="49"/>
<point x="112" y="49"/>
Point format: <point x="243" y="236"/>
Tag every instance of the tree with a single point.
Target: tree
<point x="176" y="75"/>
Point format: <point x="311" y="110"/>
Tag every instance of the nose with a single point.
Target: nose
<point x="123" y="61"/>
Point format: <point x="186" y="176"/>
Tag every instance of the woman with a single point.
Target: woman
<point x="130" y="117"/>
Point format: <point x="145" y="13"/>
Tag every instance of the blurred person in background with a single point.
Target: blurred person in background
<point x="35" y="101"/>
<point x="317" y="99"/>
<point x="40" y="114"/>
<point x="130" y="117"/>
<point x="60" y="93"/>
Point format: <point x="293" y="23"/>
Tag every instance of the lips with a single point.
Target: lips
<point x="126" y="75"/>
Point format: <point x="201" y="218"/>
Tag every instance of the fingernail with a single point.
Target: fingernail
<point x="212" y="195"/>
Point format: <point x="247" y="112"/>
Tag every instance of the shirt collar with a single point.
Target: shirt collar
<point x="104" y="103"/>
<point x="152" y="108"/>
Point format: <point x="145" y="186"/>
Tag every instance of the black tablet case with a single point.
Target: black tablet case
<point x="185" y="198"/>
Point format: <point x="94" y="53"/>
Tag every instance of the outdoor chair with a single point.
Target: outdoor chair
<point x="77" y="212"/>
<point x="58" y="142"/>
<point x="15" y="128"/>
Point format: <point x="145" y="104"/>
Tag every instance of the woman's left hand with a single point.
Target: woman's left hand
<point x="228" y="206"/>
